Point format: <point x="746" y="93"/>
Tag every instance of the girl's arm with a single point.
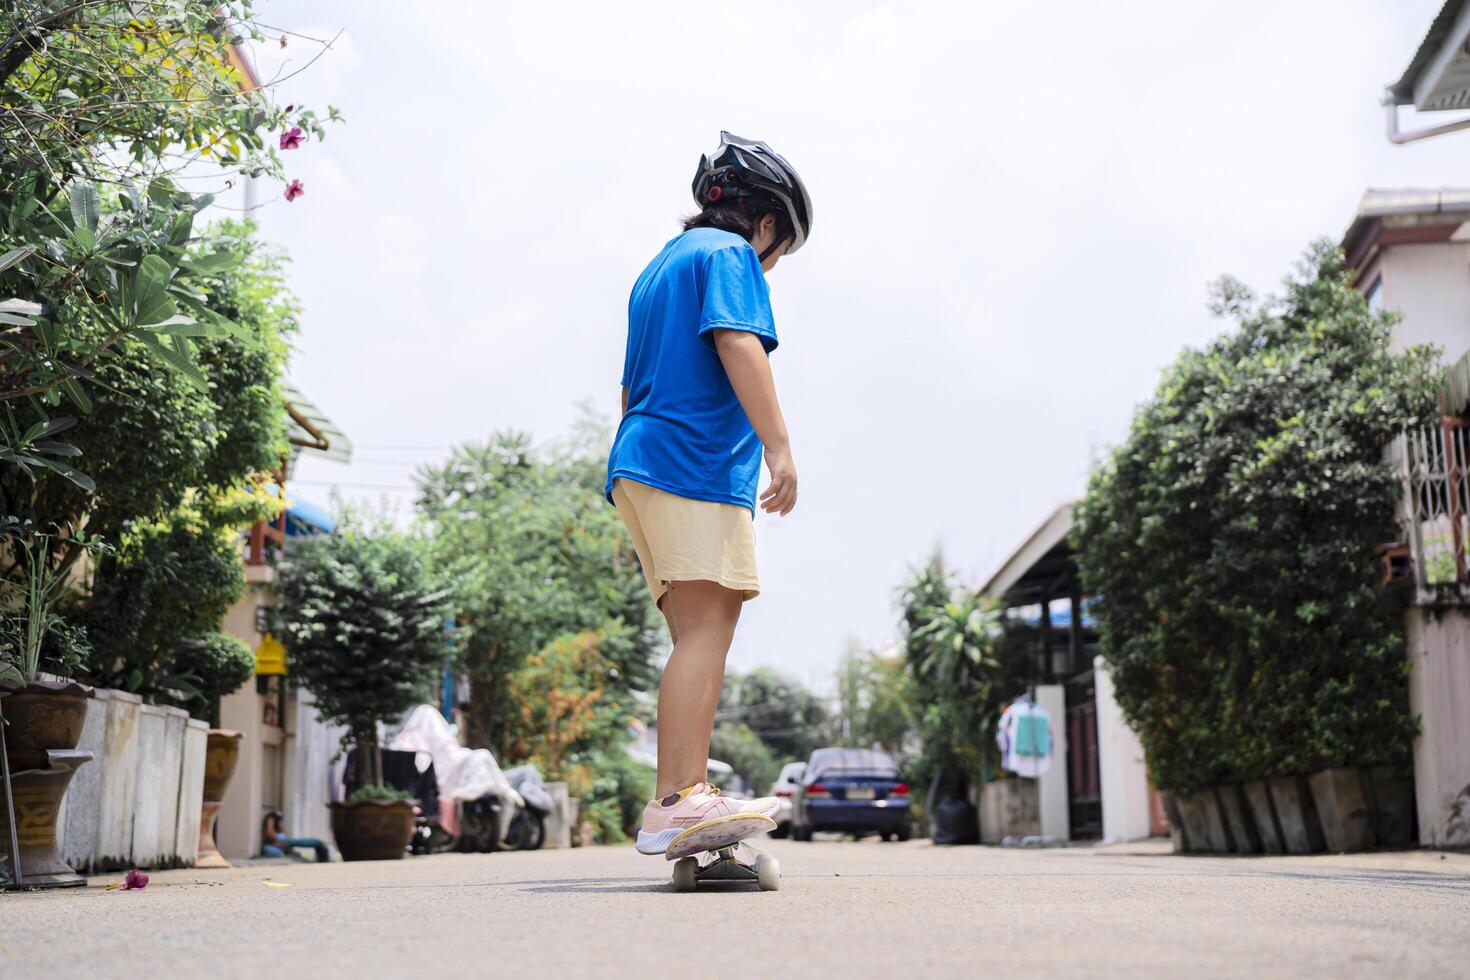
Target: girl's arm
<point x="749" y="371"/>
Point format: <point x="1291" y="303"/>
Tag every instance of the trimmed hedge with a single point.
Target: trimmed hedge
<point x="1231" y="538"/>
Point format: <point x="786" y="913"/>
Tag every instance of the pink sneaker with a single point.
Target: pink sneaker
<point x="715" y="820"/>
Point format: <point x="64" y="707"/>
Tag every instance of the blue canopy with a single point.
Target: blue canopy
<point x="304" y="518"/>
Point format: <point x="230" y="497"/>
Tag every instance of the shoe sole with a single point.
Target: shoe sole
<point x="717" y="833"/>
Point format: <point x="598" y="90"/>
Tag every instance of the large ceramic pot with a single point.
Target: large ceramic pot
<point x="43" y="726"/>
<point x="43" y="716"/>
<point x="221" y="753"/>
<point x="372" y="830"/>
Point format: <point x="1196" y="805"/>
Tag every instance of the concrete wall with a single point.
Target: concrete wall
<point x="1125" y="798"/>
<point x="136" y="804"/>
<point x="238" y="830"/>
<point x="1439" y="693"/>
<point x="1056" y="816"/>
<point x="312" y="745"/>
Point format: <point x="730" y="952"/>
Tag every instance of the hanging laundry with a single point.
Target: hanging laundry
<point x="1024" y="738"/>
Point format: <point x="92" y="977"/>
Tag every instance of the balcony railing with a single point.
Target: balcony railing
<point x="1434" y="464"/>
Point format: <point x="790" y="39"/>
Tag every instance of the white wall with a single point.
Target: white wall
<point x="1056" y="817"/>
<point x="1439" y="693"/>
<point x="1121" y="765"/>
<point x="1429" y="284"/>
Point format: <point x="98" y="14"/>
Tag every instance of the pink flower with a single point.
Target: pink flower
<point x="292" y="138"/>
<point x="294" y="190"/>
<point x="135" y="881"/>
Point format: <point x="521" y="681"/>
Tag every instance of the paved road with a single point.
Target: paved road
<point x="845" y="909"/>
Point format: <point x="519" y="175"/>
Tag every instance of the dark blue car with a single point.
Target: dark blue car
<point x="852" y="791"/>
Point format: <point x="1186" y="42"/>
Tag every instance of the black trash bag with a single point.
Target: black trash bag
<point x="956" y="822"/>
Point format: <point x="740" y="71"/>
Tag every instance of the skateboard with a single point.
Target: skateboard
<point x="717" y="851"/>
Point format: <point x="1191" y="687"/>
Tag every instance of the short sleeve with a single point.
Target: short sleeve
<point x="736" y="296"/>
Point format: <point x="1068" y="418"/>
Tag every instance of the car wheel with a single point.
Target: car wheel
<point x="904" y="833"/>
<point x="801" y="833"/>
<point x="782" y="830"/>
<point x="886" y="836"/>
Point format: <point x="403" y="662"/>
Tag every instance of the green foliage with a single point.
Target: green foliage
<point x="169" y="583"/>
<point x="746" y="753"/>
<point x="33" y="635"/>
<point x="364" y="628"/>
<point x="374" y="792"/>
<point x="535" y="553"/>
<point x="789" y="719"/>
<point x="566" y="703"/>
<point x="876" y="700"/>
<point x="105" y="102"/>
<point x="615" y="792"/>
<point x="958" y="687"/>
<point x="1231" y="540"/>
<point x="216" y="664"/>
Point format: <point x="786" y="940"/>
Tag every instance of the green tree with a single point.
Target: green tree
<point x="746" y="753"/>
<point x="949" y="652"/>
<point x="1231" y="541"/>
<point x="786" y="716"/>
<point x="875" y="701"/>
<point x="104" y="102"/>
<point x="536" y="554"/>
<point x="364" y="628"/>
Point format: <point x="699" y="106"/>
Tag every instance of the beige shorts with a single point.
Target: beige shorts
<point x="684" y="540"/>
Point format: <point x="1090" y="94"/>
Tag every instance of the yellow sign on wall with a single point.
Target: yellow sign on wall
<point x="270" y="657"/>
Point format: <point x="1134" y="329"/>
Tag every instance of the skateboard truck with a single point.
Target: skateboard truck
<point x="728" y="864"/>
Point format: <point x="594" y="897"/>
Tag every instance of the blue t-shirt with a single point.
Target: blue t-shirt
<point x="684" y="431"/>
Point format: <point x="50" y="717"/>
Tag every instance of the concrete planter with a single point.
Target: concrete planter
<point x="1393" y="807"/>
<point x="1296" y="814"/>
<point x="560" y="820"/>
<point x="1343" y="807"/>
<point x="137" y="805"/>
<point x="1178" y="835"/>
<point x="1237" y="813"/>
<point x="372" y="830"/>
<point x="1263" y="816"/>
<point x="1009" y="808"/>
<point x="1204" y="823"/>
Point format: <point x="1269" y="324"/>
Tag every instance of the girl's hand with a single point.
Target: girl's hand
<point x="779" y="497"/>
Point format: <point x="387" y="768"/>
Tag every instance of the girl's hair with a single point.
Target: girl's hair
<point x="741" y="215"/>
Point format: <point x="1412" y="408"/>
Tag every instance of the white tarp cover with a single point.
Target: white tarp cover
<point x="462" y="774"/>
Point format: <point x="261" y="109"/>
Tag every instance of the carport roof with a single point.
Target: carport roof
<point x="1042" y="567"/>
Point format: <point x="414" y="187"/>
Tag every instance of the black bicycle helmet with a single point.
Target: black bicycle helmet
<point x="740" y="168"/>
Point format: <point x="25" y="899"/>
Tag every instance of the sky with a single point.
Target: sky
<point x="1018" y="208"/>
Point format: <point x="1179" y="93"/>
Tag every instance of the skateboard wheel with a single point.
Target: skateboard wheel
<point x="768" y="872"/>
<point x="684" y="874"/>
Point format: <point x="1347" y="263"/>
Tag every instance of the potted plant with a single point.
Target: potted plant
<point x="363" y="627"/>
<point x="42" y="718"/>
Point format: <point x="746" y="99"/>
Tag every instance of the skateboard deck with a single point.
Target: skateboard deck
<point x="712" y="835"/>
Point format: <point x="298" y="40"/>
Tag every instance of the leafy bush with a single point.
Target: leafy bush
<point x="1231" y="541"/>
<point x="216" y="664"/>
<point x="373" y="792"/>
<point x="364" y="629"/>
<point x="750" y="757"/>
<point x="613" y="793"/>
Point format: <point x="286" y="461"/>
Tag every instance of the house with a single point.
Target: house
<point x="287" y="752"/>
<point x="1409" y="251"/>
<point x="1098" y="786"/>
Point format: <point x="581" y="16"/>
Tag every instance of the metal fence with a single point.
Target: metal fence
<point x="1435" y="512"/>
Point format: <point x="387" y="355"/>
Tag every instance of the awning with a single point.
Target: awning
<point x="304" y="519"/>
<point x="1042" y="567"/>
<point x="310" y="429"/>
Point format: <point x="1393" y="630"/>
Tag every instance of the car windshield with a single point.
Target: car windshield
<point x="851" y="761"/>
